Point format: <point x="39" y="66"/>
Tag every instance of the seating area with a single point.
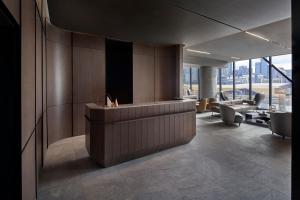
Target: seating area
<point x="239" y="110"/>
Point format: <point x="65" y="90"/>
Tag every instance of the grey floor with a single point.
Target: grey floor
<point x="222" y="162"/>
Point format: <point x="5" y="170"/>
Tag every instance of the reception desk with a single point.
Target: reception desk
<point x="115" y="135"/>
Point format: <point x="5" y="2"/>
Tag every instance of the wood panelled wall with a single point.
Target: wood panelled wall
<point x="59" y="83"/>
<point x="75" y="76"/>
<point x="88" y="76"/>
<point x="61" y="72"/>
<point x="154" y="73"/>
<point x="30" y="16"/>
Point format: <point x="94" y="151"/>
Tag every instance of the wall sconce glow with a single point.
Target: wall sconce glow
<point x="236" y="58"/>
<point x="257" y="36"/>
<point x="196" y="51"/>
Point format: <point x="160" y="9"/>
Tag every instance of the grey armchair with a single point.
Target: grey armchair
<point x="229" y="115"/>
<point x="281" y="123"/>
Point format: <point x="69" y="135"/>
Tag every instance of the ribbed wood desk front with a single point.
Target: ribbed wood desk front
<point x="115" y="135"/>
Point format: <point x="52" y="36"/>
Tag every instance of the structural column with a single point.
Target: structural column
<point x="208" y="81"/>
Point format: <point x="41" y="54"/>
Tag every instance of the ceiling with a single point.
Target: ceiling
<point x="215" y="25"/>
<point x="244" y="46"/>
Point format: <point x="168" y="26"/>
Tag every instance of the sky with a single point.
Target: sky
<point x="283" y="61"/>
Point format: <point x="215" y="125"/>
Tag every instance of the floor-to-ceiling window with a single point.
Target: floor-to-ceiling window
<point x="260" y="80"/>
<point x="186" y="79"/>
<point x="242" y="79"/>
<point x="227" y="80"/>
<point x="190" y="80"/>
<point x="281" y="85"/>
<point x="219" y="85"/>
<point x="195" y="81"/>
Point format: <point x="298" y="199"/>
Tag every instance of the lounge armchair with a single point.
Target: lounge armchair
<point x="230" y="116"/>
<point x="281" y="123"/>
<point x="211" y="102"/>
<point x="201" y="106"/>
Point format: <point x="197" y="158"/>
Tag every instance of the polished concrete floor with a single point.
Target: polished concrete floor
<point x="222" y="162"/>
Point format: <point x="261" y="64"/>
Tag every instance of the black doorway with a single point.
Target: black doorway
<point x="10" y="80"/>
<point x="119" y="77"/>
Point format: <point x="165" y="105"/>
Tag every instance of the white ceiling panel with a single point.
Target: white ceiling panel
<point x="244" y="14"/>
<point x="244" y="46"/>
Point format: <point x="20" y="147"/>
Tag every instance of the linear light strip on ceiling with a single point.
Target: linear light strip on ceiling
<point x="197" y="51"/>
<point x="257" y="36"/>
<point x="236" y="58"/>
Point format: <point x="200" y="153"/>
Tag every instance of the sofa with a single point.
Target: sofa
<point x="239" y="105"/>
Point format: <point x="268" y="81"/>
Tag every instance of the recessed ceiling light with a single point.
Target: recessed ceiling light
<point x="236" y="58"/>
<point x="257" y="36"/>
<point x="196" y="51"/>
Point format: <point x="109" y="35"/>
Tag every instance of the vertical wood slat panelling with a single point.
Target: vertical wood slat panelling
<point x="167" y="130"/>
<point x="143" y="73"/>
<point x="28" y="170"/>
<point x="128" y="136"/>
<point x="28" y="101"/>
<point x="38" y="69"/>
<point x="59" y="122"/>
<point x="28" y="69"/>
<point x="31" y="94"/>
<point x="165" y="73"/>
<point x="108" y="139"/>
<point x="59" y="73"/>
<point x="88" y="76"/>
<point x="59" y="84"/>
<point x="154" y="73"/>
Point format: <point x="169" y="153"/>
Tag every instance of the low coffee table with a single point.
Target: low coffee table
<point x="258" y="118"/>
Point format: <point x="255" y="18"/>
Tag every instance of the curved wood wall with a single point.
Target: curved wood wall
<point x="59" y="84"/>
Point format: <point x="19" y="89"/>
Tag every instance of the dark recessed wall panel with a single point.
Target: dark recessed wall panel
<point x="14" y="7"/>
<point x="119" y="71"/>
<point x="59" y="122"/>
<point x="28" y="171"/>
<point x="28" y="69"/>
<point x="143" y="73"/>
